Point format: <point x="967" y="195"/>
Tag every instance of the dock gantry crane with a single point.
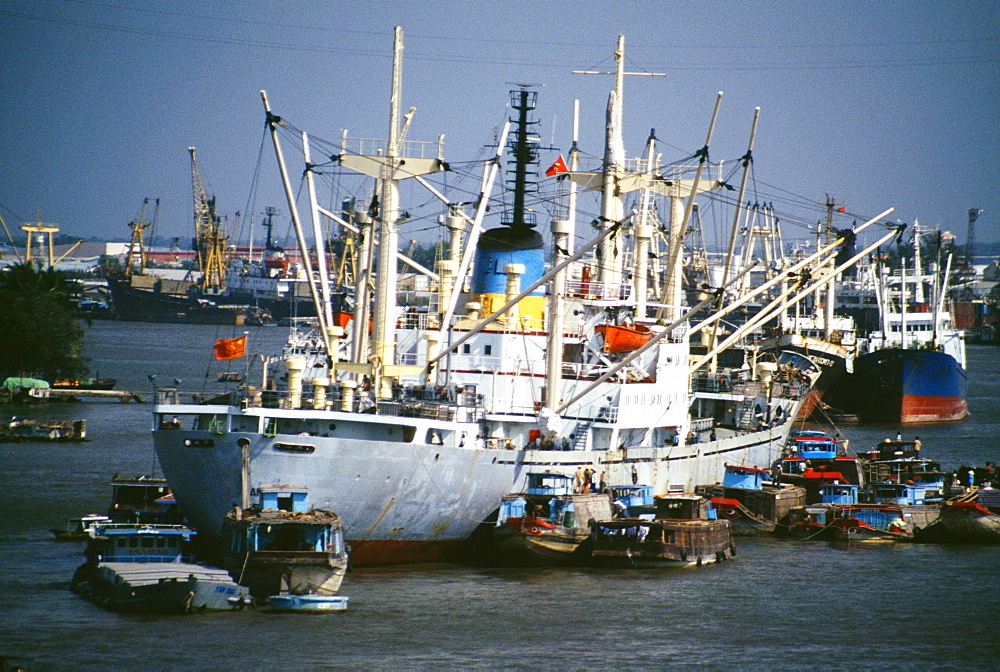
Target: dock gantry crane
<point x="137" y="247"/>
<point x="210" y="236"/>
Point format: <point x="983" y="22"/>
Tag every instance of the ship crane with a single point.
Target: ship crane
<point x="210" y="236"/>
<point x="137" y="246"/>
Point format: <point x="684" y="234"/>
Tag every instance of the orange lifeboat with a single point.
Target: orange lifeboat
<point x="623" y="338"/>
<point x="341" y="319"/>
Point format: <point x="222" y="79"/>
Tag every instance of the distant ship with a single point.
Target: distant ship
<point x="913" y="369"/>
<point x="222" y="289"/>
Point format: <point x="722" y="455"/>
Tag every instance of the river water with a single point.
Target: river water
<point x="779" y="605"/>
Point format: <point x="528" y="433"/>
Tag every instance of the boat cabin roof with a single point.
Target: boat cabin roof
<point x="131" y="529"/>
<point x="739" y="469"/>
<point x="279" y="517"/>
<point x="808" y="433"/>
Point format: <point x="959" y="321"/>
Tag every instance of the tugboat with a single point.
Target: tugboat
<point x="682" y="533"/>
<point x="146" y="568"/>
<point x="142" y="499"/>
<point x="812" y="460"/>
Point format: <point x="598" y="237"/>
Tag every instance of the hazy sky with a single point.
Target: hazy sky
<point x="879" y="104"/>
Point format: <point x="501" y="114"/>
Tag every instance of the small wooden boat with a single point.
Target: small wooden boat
<point x="79" y="529"/>
<point x="43" y="430"/>
<point x="622" y="337"/>
<point x="85" y="384"/>
<point x="307" y="604"/>
<point x="751" y="501"/>
<point x="963" y="523"/>
<point x="547" y="525"/>
<point x="280" y="552"/>
<point x="683" y="533"/>
<point x="147" y="569"/>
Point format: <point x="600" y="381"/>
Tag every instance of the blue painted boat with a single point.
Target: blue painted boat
<point x="751" y="501"/>
<point x="282" y="545"/>
<point x="547" y="524"/>
<point x="307" y="604"/>
<point x="146" y="568"/>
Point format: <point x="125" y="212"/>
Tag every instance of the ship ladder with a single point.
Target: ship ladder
<point x="745" y="417"/>
<point x="582" y="432"/>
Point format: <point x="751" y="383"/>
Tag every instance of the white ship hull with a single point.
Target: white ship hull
<point x="408" y="502"/>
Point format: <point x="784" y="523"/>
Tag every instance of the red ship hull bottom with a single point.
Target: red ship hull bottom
<point x="374" y="552"/>
<point x="914" y="409"/>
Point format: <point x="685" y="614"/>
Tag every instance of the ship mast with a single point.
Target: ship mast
<point x="612" y="207"/>
<point x="613" y="181"/>
<point x="389" y="167"/>
<point x="562" y="240"/>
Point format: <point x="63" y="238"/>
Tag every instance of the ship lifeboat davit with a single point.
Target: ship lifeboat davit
<point x="623" y="338"/>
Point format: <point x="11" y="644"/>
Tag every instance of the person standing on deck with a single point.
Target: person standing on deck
<point x="578" y="480"/>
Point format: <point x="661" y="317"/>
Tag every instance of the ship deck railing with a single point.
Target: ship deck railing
<point x="447" y="403"/>
<point x="598" y="291"/>
<point x="147" y="558"/>
<point x="727" y="383"/>
<point x="670" y="171"/>
<point x="406" y="148"/>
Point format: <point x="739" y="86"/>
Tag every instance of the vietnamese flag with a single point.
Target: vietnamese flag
<point x="558" y="167"/>
<point x="231" y="348"/>
<point x="842" y="209"/>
